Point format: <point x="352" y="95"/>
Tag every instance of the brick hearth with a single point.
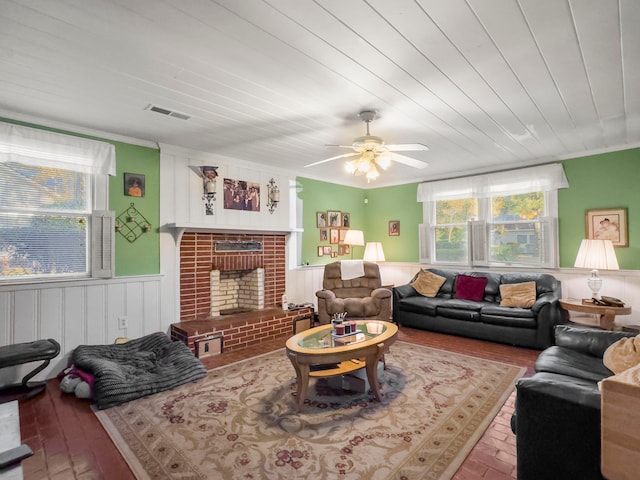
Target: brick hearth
<point x="242" y="330"/>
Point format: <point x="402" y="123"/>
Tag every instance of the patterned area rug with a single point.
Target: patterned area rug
<point x="240" y="421"/>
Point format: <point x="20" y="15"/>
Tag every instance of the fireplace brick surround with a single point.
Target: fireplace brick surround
<point x="198" y="258"/>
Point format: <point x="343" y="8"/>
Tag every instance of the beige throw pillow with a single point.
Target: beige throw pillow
<point x="521" y="295"/>
<point x="427" y="283"/>
<point x="622" y="355"/>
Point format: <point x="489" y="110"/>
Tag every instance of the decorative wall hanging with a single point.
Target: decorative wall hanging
<point x="131" y="224"/>
<point x="241" y="195"/>
<point x="208" y="174"/>
<point x="273" y="195"/>
<point x="608" y="224"/>
<point x="394" y="228"/>
<point x="134" y="185"/>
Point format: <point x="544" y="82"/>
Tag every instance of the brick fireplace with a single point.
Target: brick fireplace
<point x="205" y="271"/>
<point x="198" y="258"/>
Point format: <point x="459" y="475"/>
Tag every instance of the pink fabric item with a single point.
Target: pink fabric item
<point x="470" y="288"/>
<point x="87" y="377"/>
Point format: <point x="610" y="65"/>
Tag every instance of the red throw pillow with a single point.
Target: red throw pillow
<point x="470" y="288"/>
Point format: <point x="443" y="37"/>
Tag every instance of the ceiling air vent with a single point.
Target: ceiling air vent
<point x="166" y="111"/>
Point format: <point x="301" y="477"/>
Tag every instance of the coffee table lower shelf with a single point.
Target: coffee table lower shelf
<point x="342" y="368"/>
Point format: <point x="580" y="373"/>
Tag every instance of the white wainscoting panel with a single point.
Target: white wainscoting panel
<point x="77" y="313"/>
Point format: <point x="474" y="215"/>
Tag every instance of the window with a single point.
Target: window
<point x="51" y="184"/>
<point x="498" y="219"/>
<point x="451" y="229"/>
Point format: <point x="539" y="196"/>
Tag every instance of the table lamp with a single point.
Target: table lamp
<point x="596" y="254"/>
<point x="373" y="252"/>
<point x="354" y="238"/>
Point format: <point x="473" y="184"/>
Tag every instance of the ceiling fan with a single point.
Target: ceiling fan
<point x="372" y="152"/>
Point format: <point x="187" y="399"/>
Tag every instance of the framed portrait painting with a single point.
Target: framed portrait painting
<point x="134" y="185"/>
<point x="335" y="218"/>
<point x="394" y="228"/>
<point x="608" y="224"/>
<point x="321" y="219"/>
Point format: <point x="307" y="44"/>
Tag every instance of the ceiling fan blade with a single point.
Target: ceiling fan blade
<point x="412" y="162"/>
<point x="407" y="147"/>
<point x="332" y="158"/>
<point x="339" y="146"/>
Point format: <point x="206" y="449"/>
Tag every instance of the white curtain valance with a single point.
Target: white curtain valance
<point x="543" y="178"/>
<point x="41" y="148"/>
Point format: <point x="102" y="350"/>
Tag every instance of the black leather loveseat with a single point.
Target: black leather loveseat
<point x="485" y="319"/>
<point x="557" y="410"/>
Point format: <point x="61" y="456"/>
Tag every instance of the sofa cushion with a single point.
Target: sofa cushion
<point x="470" y="288"/>
<point x="521" y="295"/>
<point x="623" y="354"/>
<point x="508" y="316"/>
<point x="569" y="362"/>
<point x="428" y="283"/>
<point x="460" y="310"/>
<point x="446" y="290"/>
<point x="423" y="305"/>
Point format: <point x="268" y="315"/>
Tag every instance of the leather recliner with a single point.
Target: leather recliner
<point x="360" y="297"/>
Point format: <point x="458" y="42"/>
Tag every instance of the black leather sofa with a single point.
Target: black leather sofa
<point x="486" y="320"/>
<point x="557" y="410"/>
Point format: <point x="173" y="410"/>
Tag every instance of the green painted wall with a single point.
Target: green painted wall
<point x="394" y="203"/>
<point x="143" y="256"/>
<point x="383" y="204"/>
<point x="608" y="180"/>
<point x="319" y="196"/>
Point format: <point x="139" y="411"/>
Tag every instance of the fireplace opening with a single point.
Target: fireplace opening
<point x="234" y="311"/>
<point x="236" y="291"/>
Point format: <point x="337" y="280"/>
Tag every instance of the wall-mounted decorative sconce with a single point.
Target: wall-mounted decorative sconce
<point x="131" y="224"/>
<point x="273" y="195"/>
<point x="208" y="175"/>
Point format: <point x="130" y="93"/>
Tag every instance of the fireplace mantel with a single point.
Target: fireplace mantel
<point x="178" y="229"/>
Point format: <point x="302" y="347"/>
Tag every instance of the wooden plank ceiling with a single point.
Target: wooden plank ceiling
<point x="485" y="84"/>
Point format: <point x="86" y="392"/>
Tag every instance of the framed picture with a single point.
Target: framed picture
<point x="323" y="235"/>
<point x="343" y="233"/>
<point x="327" y="249"/>
<point x="346" y="249"/>
<point x="608" y="224"/>
<point x="334" y="235"/>
<point x="335" y="218"/>
<point x="134" y="184"/>
<point x="346" y="220"/>
<point x="321" y="219"/>
<point x="341" y="249"/>
<point x="320" y="251"/>
<point x="334" y="254"/>
<point x="241" y="195"/>
<point x="394" y="228"/>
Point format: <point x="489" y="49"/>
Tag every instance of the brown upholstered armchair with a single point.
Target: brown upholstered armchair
<point x="360" y="297"/>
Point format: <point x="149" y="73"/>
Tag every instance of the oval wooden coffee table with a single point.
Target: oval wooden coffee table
<point x="318" y="347"/>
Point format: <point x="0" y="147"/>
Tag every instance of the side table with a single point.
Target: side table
<point x="606" y="314"/>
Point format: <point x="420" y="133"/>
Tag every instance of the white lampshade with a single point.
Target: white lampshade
<point x="354" y="237"/>
<point x="596" y="254"/>
<point x="373" y="252"/>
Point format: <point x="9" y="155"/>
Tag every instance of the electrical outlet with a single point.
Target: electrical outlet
<point x="123" y="322"/>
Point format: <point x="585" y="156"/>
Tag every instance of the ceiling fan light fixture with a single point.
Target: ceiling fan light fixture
<point x="384" y="161"/>
<point x="364" y="165"/>
<point x="372" y="174"/>
<point x="351" y="166"/>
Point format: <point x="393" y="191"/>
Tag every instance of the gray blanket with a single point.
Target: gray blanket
<point x="138" y="368"/>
